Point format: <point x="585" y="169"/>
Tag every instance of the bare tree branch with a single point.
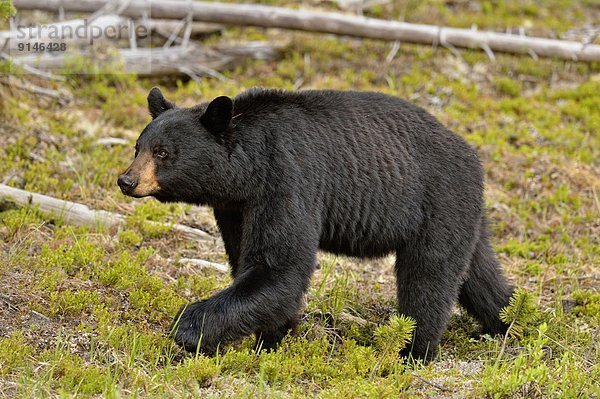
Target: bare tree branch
<point x="81" y="215"/>
<point x="336" y="23"/>
<point x="193" y="60"/>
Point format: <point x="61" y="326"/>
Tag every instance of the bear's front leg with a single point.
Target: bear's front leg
<point x="230" y="226"/>
<point x="269" y="340"/>
<point x="260" y="300"/>
<point x="195" y="324"/>
<point x="272" y="277"/>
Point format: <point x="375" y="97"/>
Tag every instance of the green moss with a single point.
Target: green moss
<point x="77" y="257"/>
<point x="14" y="353"/>
<point x="530" y="372"/>
<point x="509" y="87"/>
<point x="196" y="371"/>
<point x="73" y="375"/>
<point x="71" y="303"/>
<point x="588" y="303"/>
<point x="6" y="9"/>
<point x="125" y="269"/>
<point x="152" y="211"/>
<point x="129" y="238"/>
<point x="15" y="220"/>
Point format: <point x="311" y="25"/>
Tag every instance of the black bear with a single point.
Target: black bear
<point x="354" y="173"/>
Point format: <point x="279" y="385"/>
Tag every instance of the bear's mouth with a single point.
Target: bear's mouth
<point x="139" y="180"/>
<point x="145" y="189"/>
<point x="138" y="188"/>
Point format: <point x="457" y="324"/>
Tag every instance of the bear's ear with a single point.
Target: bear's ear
<point x="157" y="103"/>
<point x="217" y="116"/>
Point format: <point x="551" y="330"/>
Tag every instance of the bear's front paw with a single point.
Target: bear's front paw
<point x="191" y="329"/>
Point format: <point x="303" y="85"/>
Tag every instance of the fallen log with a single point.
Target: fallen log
<point x="63" y="98"/>
<point x="204" y="264"/>
<point x="193" y="60"/>
<point x="336" y="23"/>
<point x="109" y="141"/>
<point x="87" y="32"/>
<point x="30" y="69"/>
<point x="165" y="27"/>
<point x="81" y="215"/>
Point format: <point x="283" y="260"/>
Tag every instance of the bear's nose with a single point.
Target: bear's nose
<point x="126" y="183"/>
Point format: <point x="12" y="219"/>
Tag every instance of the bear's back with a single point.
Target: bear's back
<point x="346" y="120"/>
<point x="364" y="162"/>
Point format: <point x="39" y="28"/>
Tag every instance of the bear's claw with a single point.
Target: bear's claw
<point x="190" y="330"/>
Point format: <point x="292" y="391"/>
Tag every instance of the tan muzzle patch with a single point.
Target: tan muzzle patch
<point x="143" y="169"/>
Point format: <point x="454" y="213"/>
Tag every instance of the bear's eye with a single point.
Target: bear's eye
<point x="162" y="153"/>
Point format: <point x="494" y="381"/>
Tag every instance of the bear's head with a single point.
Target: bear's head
<point x="185" y="154"/>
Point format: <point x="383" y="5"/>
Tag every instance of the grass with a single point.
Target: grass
<point x="83" y="312"/>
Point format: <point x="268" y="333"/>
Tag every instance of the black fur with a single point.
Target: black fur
<point x="354" y="173"/>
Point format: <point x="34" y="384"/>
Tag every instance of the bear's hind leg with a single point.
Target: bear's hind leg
<point x="428" y="285"/>
<point x="485" y="290"/>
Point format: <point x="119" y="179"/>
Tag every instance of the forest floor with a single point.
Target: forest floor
<point x="84" y="311"/>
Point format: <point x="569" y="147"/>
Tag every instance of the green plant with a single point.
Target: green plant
<point x="520" y="313"/>
<point x="6" y="9"/>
